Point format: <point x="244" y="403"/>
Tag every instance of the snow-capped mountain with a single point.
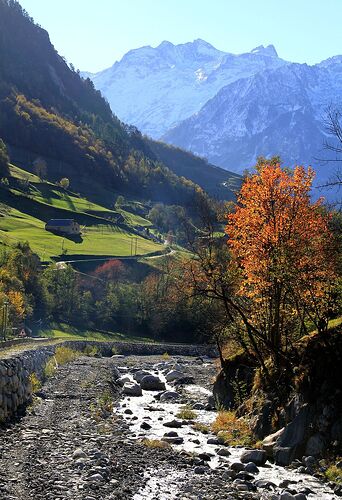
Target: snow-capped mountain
<point x="278" y="111"/>
<point x="156" y="88"/>
<point x="227" y="108"/>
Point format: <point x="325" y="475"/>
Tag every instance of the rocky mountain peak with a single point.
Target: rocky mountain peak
<point x="266" y="51"/>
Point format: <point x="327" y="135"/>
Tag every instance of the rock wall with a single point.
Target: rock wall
<point x="15" y="370"/>
<point x="144" y="349"/>
<point x="15" y="385"/>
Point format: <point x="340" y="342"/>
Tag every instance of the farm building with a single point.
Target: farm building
<point x="66" y="226"/>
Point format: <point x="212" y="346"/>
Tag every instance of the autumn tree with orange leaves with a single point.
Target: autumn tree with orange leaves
<point x="281" y="246"/>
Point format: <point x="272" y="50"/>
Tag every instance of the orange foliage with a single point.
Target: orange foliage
<point x="281" y="242"/>
<point x="17" y="302"/>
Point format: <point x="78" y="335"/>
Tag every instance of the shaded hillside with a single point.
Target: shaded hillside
<point x="217" y="182"/>
<point x="48" y="110"/>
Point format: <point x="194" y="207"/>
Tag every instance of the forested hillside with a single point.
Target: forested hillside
<point x="47" y="110"/>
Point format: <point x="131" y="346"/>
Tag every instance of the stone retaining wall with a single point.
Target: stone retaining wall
<point x="15" y="370"/>
<point x="15" y="386"/>
<point x="144" y="349"/>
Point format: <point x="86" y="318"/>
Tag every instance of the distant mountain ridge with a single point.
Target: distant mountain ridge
<point x="227" y="108"/>
<point x="156" y="88"/>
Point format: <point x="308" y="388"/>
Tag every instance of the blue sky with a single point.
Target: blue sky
<point x="93" y="34"/>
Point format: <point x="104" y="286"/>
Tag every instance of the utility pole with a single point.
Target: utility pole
<point x="4" y="319"/>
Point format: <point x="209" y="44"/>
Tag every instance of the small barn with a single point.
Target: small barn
<point x="63" y="226"/>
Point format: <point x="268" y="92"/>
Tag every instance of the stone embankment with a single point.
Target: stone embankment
<point x="16" y="367"/>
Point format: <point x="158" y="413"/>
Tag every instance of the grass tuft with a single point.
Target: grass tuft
<point x="155" y="443"/>
<point x="235" y="431"/>
<point x="36" y="384"/>
<point x="204" y="428"/>
<point x="333" y="473"/>
<point x="186" y="413"/>
<point x="62" y="356"/>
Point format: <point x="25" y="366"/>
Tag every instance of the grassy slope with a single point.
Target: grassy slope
<point x="46" y="200"/>
<point x="67" y="332"/>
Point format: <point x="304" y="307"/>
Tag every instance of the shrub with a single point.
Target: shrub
<point x="62" y="356"/>
<point x="50" y="367"/>
<point x="114" y="350"/>
<point x="65" y="355"/>
<point x="166" y="356"/>
<point x="35" y="382"/>
<point x="333" y="473"/>
<point x="91" y="350"/>
<point x="235" y="431"/>
<point x="103" y="407"/>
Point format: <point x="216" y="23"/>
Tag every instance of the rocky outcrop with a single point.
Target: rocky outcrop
<point x="233" y="383"/>
<point x="299" y="413"/>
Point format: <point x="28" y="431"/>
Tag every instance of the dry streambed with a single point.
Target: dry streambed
<point x="175" y="398"/>
<point x="82" y="439"/>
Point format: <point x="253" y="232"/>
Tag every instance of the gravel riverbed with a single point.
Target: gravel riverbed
<point x="82" y="439"/>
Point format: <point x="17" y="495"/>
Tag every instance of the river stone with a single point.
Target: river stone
<point x="237" y="466"/>
<point x="258" y="457"/>
<point x="300" y="496"/>
<point x="122" y="380"/>
<point x="252" y="468"/>
<point x="270" y="441"/>
<point x="213" y="441"/>
<point x="199" y="406"/>
<point x="169" y="396"/>
<point x="174" y="375"/>
<point x="244" y="476"/>
<point x="223" y="452"/>
<point x="152" y="383"/>
<point x="309" y="461"/>
<point x="171" y="434"/>
<point x="200" y="469"/>
<point x="145" y="426"/>
<point x="267" y="485"/>
<point x="293" y="438"/>
<point x="79" y="453"/>
<point x="175" y="424"/>
<point x="243" y="485"/>
<point x="286" y="496"/>
<point x="132" y="389"/>
<point x="173" y="440"/>
<point x="140" y="374"/>
<point x="95" y="477"/>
